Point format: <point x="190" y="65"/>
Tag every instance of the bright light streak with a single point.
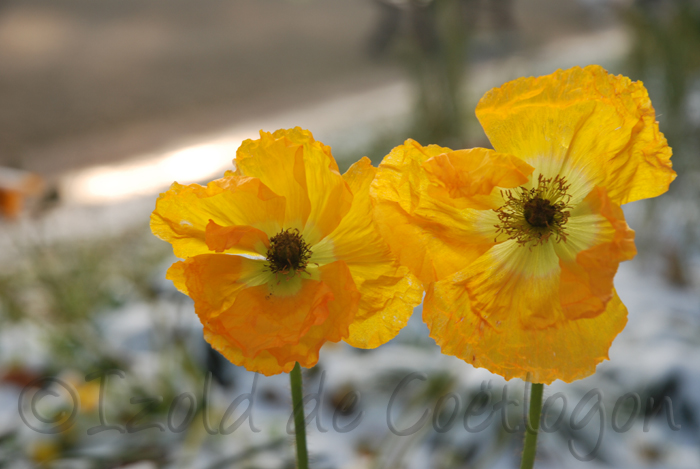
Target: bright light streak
<point x="209" y="158"/>
<point x="152" y="174"/>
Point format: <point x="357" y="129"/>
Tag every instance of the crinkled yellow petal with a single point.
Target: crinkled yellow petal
<point x="236" y="238"/>
<point x="183" y="212"/>
<point x="279" y="164"/>
<point x="512" y="279"/>
<point x="389" y="291"/>
<point x="302" y="170"/>
<point x="305" y="137"/>
<point x="431" y="233"/>
<point x="477" y="171"/>
<point x="587" y="278"/>
<point x="389" y="294"/>
<point x="602" y="126"/>
<point x="341" y="310"/>
<point x="567" y="350"/>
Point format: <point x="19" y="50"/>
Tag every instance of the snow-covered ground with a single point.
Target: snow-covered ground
<point x="383" y="392"/>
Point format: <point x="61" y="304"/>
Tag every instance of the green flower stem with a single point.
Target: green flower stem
<point x="299" y="421"/>
<point x="532" y="427"/>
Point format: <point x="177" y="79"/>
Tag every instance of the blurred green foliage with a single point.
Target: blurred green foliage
<point x="62" y="287"/>
<point x="666" y="56"/>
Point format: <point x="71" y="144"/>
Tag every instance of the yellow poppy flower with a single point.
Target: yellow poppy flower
<point x="281" y="255"/>
<point x="518" y="246"/>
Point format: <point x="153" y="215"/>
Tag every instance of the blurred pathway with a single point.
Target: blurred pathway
<point x="84" y="83"/>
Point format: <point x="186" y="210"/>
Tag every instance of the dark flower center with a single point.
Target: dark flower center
<point x="539" y="212"/>
<point x="288" y="252"/>
<point x="532" y="216"/>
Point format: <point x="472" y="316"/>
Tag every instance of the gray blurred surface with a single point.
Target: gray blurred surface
<point x="85" y="82"/>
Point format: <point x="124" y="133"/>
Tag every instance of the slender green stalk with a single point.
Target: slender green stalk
<point x="532" y="427"/>
<point x="299" y="423"/>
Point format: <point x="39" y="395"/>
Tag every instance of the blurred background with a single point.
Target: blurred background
<point x="104" y="104"/>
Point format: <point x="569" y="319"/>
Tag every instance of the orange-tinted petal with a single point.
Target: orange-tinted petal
<point x="587" y="278"/>
<point x="477" y="171"/>
<point x="263" y="362"/>
<point x="429" y="232"/>
<point x="259" y="320"/>
<point x="237" y="238"/>
<point x="601" y="126"/>
<point x="183" y="212"/>
<point x="341" y="313"/>
<point x="304" y="173"/>
<point x="214" y="280"/>
<point x="389" y="291"/>
<point x="340" y="307"/>
<point x="176" y="273"/>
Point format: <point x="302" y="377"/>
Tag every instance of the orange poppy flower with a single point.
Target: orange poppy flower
<point x="518" y="247"/>
<point x="281" y="255"/>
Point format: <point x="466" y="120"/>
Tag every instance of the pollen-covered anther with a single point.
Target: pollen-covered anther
<point x="288" y="252"/>
<point x="532" y="216"/>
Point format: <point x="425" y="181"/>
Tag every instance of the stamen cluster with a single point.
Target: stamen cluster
<point x="532" y="216"/>
<point x="288" y="252"/>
